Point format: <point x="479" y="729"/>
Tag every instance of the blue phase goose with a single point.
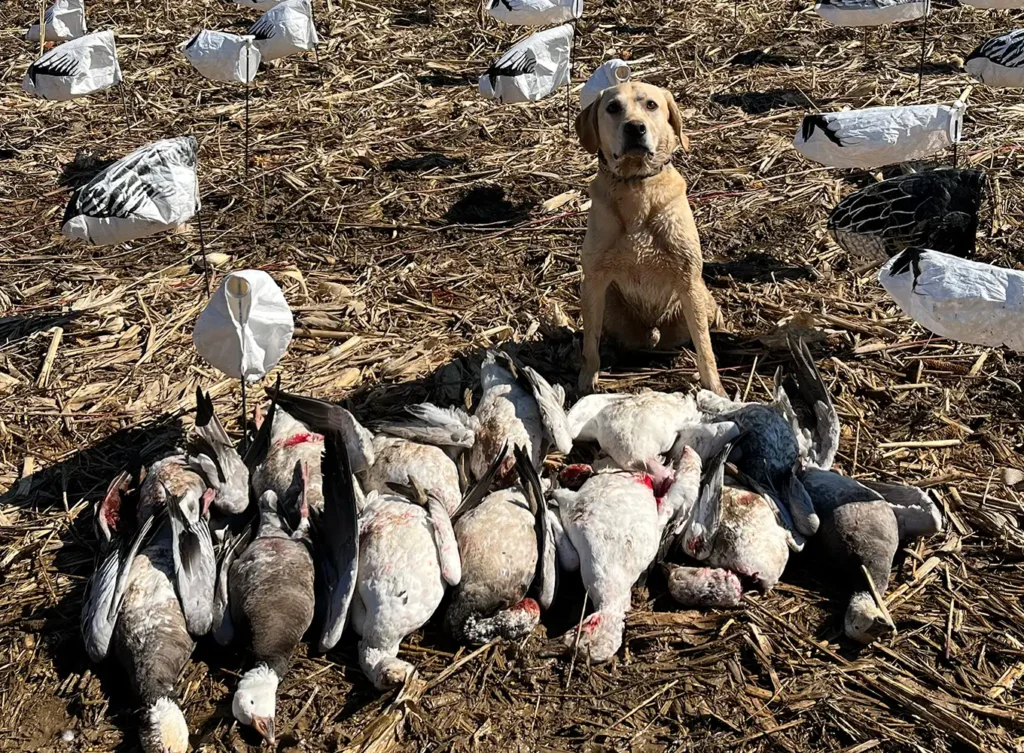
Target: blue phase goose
<point x="773" y="446"/>
<point x="148" y="596"/>
<point x="266" y="586"/>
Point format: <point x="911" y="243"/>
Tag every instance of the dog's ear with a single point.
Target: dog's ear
<point x="587" y="127"/>
<point x="676" y="121"/>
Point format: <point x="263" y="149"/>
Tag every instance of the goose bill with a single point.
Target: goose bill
<point x="265" y="726"/>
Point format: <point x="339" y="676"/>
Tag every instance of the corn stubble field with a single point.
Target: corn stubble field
<point x="411" y="224"/>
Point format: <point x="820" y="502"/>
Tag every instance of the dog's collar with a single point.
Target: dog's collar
<point x="603" y="166"/>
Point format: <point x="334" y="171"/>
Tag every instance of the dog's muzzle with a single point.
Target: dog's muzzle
<point x="635" y="138"/>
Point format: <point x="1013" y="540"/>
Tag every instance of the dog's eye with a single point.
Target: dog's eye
<point x="613" y="108"/>
<point x="652" y="105"/>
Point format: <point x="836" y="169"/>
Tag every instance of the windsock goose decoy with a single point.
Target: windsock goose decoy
<point x="961" y="299"/>
<point x="63" y="20"/>
<point x="613" y="524"/>
<point x="155" y="188"/>
<point x="773" y="446"/>
<point x="639" y="431"/>
<point x="506" y="546"/>
<point x="83" y="66"/>
<point x="936" y="209"/>
<point x="132" y="606"/>
<point x="518" y="407"/>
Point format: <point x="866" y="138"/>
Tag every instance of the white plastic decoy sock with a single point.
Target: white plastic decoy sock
<point x="871" y="12"/>
<point x="285" y="29"/>
<point x="534" y="12"/>
<point x="153" y="189"/>
<point x="532" y="69"/>
<point x="879" y="136"/>
<point x="77" y="68"/>
<point x="65" y="20"/>
<point x="223" y="57"/>
<point x="246" y="327"/>
<point x="610" y="73"/>
<point x="963" y="300"/>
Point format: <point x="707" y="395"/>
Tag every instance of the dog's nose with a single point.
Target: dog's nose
<point x="635" y="129"/>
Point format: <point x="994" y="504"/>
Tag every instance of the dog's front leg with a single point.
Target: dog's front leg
<point x="697" y="317"/>
<point x="595" y="289"/>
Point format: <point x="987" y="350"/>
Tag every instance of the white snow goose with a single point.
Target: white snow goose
<point x="773" y="446"/>
<point x="999" y="61"/>
<point x="407" y="556"/>
<point x="519" y="407"/>
<point x="268" y="576"/>
<point x="132" y="602"/>
<point x="935" y="209"/>
<point x="153" y="189"/>
<point x="612" y="528"/>
<point x="639" y="431"/>
<point x="507" y="547"/>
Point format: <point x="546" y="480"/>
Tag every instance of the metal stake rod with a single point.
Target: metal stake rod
<point x="202" y="248"/>
<point x="248" y="86"/>
<point x="568" y="83"/>
<point x="924" y="50"/>
<point x="245" y="415"/>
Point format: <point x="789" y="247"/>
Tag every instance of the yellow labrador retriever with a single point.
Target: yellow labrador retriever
<point x="641" y="255"/>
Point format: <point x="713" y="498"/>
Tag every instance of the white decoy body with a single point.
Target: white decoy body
<point x="407" y="555"/>
<point x="614" y="523"/>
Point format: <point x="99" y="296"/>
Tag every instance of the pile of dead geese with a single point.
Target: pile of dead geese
<point x="319" y="520"/>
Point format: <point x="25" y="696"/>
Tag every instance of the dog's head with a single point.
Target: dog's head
<point x="635" y="127"/>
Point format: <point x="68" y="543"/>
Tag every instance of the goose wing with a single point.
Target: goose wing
<point x="337" y="538"/>
<point x="545" y="578"/>
<point x="195" y="566"/>
<point x="106" y="591"/>
<point x="429" y="424"/>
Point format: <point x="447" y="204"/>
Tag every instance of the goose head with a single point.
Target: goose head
<point x="164" y="729"/>
<point x="255" y="701"/>
<point x="864" y="621"/>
